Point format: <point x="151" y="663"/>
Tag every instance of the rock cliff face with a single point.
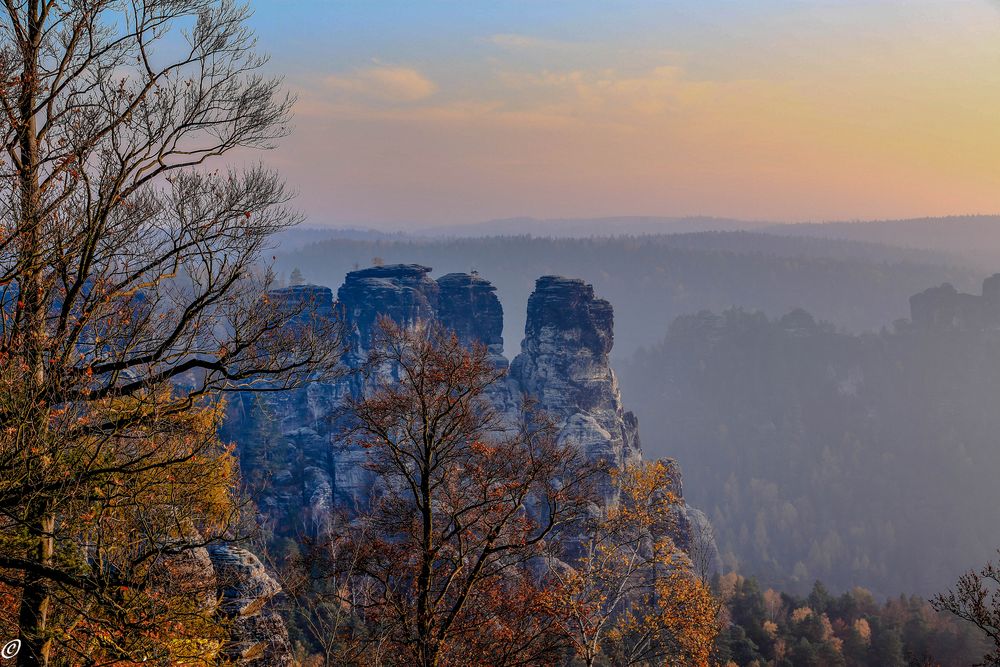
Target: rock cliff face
<point x="318" y="300"/>
<point x="402" y="292"/>
<point x="563" y="365"/>
<point x="468" y="305"/>
<point x="258" y="637"/>
<point x="232" y="584"/>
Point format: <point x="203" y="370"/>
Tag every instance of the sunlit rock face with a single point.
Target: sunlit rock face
<point x="257" y="634"/>
<point x="232" y="584"/>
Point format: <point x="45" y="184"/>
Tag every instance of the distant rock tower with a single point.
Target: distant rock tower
<point x="564" y="364"/>
<point x="944" y="308"/>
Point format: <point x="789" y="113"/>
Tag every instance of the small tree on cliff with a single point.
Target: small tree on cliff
<point x="464" y="503"/>
<point x="633" y="597"/>
<point x="129" y="295"/>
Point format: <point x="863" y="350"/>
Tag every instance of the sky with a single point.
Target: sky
<point x="425" y="112"/>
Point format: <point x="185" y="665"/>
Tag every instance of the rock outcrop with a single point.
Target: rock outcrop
<point x="258" y="637"/>
<point x="944" y="308"/>
<point x="231" y="584"/>
<point x="311" y="299"/>
<point x="563" y="364"/>
<point x="468" y="305"/>
<point x="402" y="292"/>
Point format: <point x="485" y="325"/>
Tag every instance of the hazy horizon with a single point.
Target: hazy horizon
<point x="784" y="110"/>
<point x="405" y="226"/>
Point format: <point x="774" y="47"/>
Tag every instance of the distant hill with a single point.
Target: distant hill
<point x="968" y="240"/>
<point x="583" y="227"/>
<point x="858" y="460"/>
<point x="296" y="237"/>
<point x="652" y="279"/>
<point x="975" y="239"/>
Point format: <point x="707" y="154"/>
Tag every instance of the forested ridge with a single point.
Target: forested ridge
<point x="855" y="459"/>
<point x="853" y="629"/>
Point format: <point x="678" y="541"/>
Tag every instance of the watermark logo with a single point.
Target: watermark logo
<point x="10" y="649"/>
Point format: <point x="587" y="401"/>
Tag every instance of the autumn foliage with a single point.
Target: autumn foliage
<point x="484" y="542"/>
<point x="632" y="596"/>
<point x="132" y="295"/>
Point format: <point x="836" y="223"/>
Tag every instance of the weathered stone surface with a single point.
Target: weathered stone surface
<point x="258" y="636"/>
<point x="314" y="299"/>
<point x="564" y="366"/>
<point x="189" y="573"/>
<point x="468" y="305"/>
<point x="244" y="584"/>
<point x="402" y="292"/>
<point x="265" y="642"/>
<point x="698" y="539"/>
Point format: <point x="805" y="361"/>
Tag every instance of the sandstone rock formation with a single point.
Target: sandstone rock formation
<point x="231" y="584"/>
<point x="468" y="305"/>
<point x="319" y="300"/>
<point x="945" y="308"/>
<point x="293" y="436"/>
<point x="563" y="365"/>
<point x="401" y="292"/>
<point x="258" y="637"/>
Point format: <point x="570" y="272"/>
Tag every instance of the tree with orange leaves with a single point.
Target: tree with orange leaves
<point x="131" y="580"/>
<point x="632" y="597"/>
<point x="131" y="287"/>
<point x="464" y="505"/>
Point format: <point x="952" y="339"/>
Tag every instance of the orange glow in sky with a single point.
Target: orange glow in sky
<point x="432" y="113"/>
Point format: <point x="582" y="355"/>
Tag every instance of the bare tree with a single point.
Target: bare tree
<point x="976" y="599"/>
<point x="703" y="551"/>
<point x="130" y="293"/>
<point x="316" y="581"/>
<point x="464" y="503"/>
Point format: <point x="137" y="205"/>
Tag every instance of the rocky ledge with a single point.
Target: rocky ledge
<point x="258" y="637"/>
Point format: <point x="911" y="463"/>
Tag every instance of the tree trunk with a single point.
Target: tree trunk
<point x="427" y="645"/>
<point x="33" y="616"/>
<point x="35" y="596"/>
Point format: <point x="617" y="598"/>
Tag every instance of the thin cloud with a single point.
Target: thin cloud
<point x="384" y="83"/>
<point x="517" y="42"/>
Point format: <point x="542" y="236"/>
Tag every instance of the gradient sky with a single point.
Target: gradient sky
<point x="434" y="112"/>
